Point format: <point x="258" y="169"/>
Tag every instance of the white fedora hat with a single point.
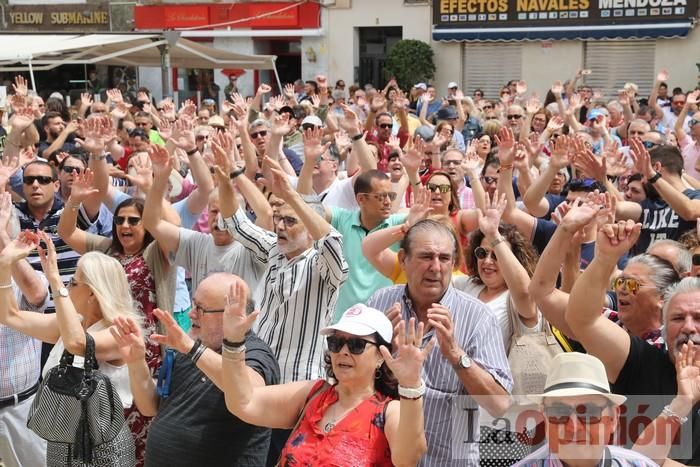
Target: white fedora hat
<point x="577" y="374"/>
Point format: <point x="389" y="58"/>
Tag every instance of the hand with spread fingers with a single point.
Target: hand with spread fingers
<point x="19" y="248"/>
<point x="83" y="187"/>
<point x="174" y="337"/>
<point x="237" y="321"/>
<point x="409" y="355"/>
<point x="127" y="334"/>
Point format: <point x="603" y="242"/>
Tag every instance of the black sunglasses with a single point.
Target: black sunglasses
<point x="696" y="259"/>
<point x="308" y="126"/>
<point x="559" y="414"/>
<point x="356" y="345"/>
<point x="42" y="179"/>
<point x="131" y="220"/>
<point x="262" y="133"/>
<point x="482" y="253"/>
<point x="69" y="169"/>
<point x="514" y="117"/>
<point x="489" y="180"/>
<point x="385" y="126"/>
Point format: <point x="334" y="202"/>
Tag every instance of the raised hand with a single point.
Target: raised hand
<point x="394" y="142"/>
<point x="490" y="219"/>
<point x="20" y="247"/>
<point x="22" y="119"/>
<point x="85" y="99"/>
<point x="641" y="158"/>
<point x="165" y="129"/>
<point x="127" y="334"/>
<point x="614" y="240"/>
<point x="407" y="362"/>
<point x="174" y="336"/>
<point x="557" y="88"/>
<point x="412" y="158"/>
<point x="83" y="186"/>
<point x="315" y="101"/>
<point x="521" y="87"/>
<point x="275" y="179"/>
<point x="575" y="101"/>
<point x="506" y="145"/>
<point x="289" y="91"/>
<point x="264" y="88"/>
<point x="26" y="155"/>
<point x="120" y="110"/>
<point x="188" y="108"/>
<point x="350" y="123"/>
<point x="6" y="209"/>
<point x="314" y="148"/>
<point x="394" y="315"/>
<point x="533" y="104"/>
<point x="662" y="75"/>
<point x="183" y="134"/>
<point x="276" y="102"/>
<point x="20" y="86"/>
<point x="8" y="167"/>
<point x="93" y="140"/>
<point x="161" y="161"/>
<point x="47" y="254"/>
<point x="280" y="125"/>
<point x="591" y="165"/>
<point x="693" y="98"/>
<point x="237" y="321"/>
<point x="688" y="372"/>
<point x="560" y="152"/>
<point x="342" y="140"/>
<point x="440" y="317"/>
<point x="420" y="205"/>
<point x="115" y="95"/>
<point x="378" y="103"/>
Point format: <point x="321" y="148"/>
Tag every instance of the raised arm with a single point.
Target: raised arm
<point x="600" y="336"/>
<point x="68" y="229"/>
<point x="533" y="198"/>
<point x="183" y="138"/>
<point x="165" y="233"/>
<point x="661" y="77"/>
<point x="690" y="101"/>
<point x="313" y="149"/>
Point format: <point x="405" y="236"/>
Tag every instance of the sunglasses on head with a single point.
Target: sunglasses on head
<point x="42" y="179"/>
<point x="629" y="285"/>
<point x="69" y="170"/>
<point x="482" y="253"/>
<point x="589" y="414"/>
<point x="385" y="126"/>
<point x="356" y="345"/>
<point x="131" y="220"/>
<point x="261" y="133"/>
<point x="445" y="188"/>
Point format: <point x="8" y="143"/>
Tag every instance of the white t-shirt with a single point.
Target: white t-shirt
<point x="499" y="306"/>
<point x="119" y="375"/>
<point x="198" y="254"/>
<point x="340" y="194"/>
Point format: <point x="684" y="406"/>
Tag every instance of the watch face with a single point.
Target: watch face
<point x="63" y="292"/>
<point x="465" y="361"/>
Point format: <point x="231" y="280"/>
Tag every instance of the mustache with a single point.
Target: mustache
<point x="684" y="339"/>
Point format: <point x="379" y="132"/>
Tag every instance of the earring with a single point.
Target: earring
<point x="378" y="371"/>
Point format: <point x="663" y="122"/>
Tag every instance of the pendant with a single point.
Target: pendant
<point x="328" y="427"/>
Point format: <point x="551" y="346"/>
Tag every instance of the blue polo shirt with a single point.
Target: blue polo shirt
<point x="363" y="279"/>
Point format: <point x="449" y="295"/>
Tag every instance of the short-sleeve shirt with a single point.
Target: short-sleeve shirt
<point x="690" y="149"/>
<point x="198" y="254"/>
<point x="648" y="371"/>
<point x="363" y="278"/>
<point x="193" y="425"/>
<point x="661" y="222"/>
<point x="340" y="194"/>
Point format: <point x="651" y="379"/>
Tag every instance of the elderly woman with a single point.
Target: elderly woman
<point x="97" y="293"/>
<point x="354" y="421"/>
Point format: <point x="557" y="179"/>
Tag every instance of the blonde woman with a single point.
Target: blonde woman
<point x="97" y="293"/>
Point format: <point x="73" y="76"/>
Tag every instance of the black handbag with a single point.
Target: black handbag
<point x="79" y="409"/>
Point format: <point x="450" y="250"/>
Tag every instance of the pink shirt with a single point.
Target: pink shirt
<point x="690" y="150"/>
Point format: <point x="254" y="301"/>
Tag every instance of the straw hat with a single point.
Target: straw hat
<point x="577" y="374"/>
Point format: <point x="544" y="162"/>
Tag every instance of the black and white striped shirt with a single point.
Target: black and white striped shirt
<point x="296" y="297"/>
<point x="451" y="415"/>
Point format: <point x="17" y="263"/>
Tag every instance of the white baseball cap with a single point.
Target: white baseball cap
<point x="451" y="85"/>
<point x="421" y="86"/>
<point x="312" y="120"/>
<point x="361" y="320"/>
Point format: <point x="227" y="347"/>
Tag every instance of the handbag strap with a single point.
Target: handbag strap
<point x="515" y="323"/>
<point x="90" y="360"/>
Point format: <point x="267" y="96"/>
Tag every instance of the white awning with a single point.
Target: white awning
<point x="20" y="52"/>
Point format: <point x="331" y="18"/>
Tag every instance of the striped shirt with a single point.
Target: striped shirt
<point x="612" y="456"/>
<point x="66" y="257"/>
<point x="296" y="296"/>
<point x="20" y="355"/>
<point x="451" y="415"/>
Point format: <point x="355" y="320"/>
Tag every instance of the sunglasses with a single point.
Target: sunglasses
<point x="696" y="259"/>
<point x="201" y="310"/>
<point x="386" y="126"/>
<point x="288" y="221"/>
<point x="491" y="117"/>
<point x="69" y="170"/>
<point x="514" y="117"/>
<point x="262" y="134"/>
<point x="693" y="122"/>
<point x="589" y="414"/>
<point x="42" y="179"/>
<point x="131" y="220"/>
<point x="201" y="137"/>
<point x="630" y="286"/>
<point x="356" y="345"/>
<point x="382" y="196"/>
<point x="489" y="180"/>
<point x="445" y="188"/>
<point x="309" y="126"/>
<point x="482" y="253"/>
<point x="487" y="107"/>
<point x="649" y="144"/>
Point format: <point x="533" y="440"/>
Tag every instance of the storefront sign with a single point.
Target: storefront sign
<point x="500" y="13"/>
<point x="171" y="16"/>
<point x="85" y="17"/>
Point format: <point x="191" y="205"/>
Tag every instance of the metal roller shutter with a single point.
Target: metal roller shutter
<point x="614" y="63"/>
<point x="489" y="66"/>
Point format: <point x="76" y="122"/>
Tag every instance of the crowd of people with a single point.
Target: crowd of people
<point x="360" y="276"/>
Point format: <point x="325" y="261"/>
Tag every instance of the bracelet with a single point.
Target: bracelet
<point x="654" y="179"/>
<point x="192" y="152"/>
<point x="233" y="345"/>
<point x="668" y="412"/>
<point x="198" y="353"/>
<point x="98" y="158"/>
<point x="506" y="166"/>
<point x="195" y="347"/>
<point x="233" y="356"/>
<point x="495" y="242"/>
<point x="236" y="173"/>
<point x="240" y="350"/>
<point x="412" y="393"/>
<point x="73" y="207"/>
<point x="6" y="286"/>
<point x="357" y="137"/>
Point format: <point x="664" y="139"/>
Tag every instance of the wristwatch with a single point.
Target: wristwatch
<point x="655" y="178"/>
<point x="463" y="363"/>
<point x="63" y="292"/>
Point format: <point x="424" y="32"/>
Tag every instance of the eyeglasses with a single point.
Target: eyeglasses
<point x="489" y="180"/>
<point x="451" y="162"/>
<point x="289" y="221"/>
<point x="321" y="158"/>
<point x="131" y="220"/>
<point x="261" y="134"/>
<point x="514" y="117"/>
<point x="386" y="126"/>
<point x="649" y="144"/>
<point x="696" y="259"/>
<point x="42" y="179"/>
<point x="391" y="196"/>
<point x="482" y="253"/>
<point x="444" y="188"/>
<point x="201" y="310"/>
<point x="493" y="117"/>
<point x="201" y="137"/>
<point x="356" y="345"/>
<point x="629" y="285"/>
<point x="487" y="107"/>
<point x="69" y="170"/>
<point x="589" y="414"/>
<point x="693" y="122"/>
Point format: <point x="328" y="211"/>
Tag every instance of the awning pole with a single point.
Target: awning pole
<point x="31" y="76"/>
<point x="279" y="83"/>
<point x="166" y="70"/>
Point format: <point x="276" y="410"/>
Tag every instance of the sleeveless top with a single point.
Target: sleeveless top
<point x="357" y="439"/>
